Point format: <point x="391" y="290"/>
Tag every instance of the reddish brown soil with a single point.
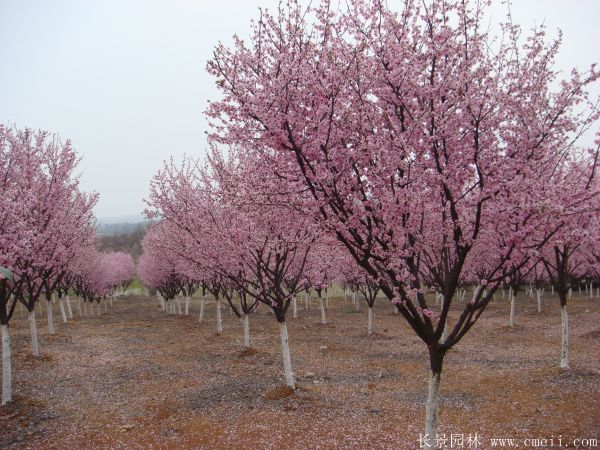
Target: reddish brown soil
<point x="136" y="378"/>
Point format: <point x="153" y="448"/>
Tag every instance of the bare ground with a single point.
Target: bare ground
<point x="136" y="378"/>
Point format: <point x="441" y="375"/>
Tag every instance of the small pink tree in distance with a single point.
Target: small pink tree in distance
<point x="322" y="268"/>
<point x="156" y="267"/>
<point x="412" y="136"/>
<point x="122" y="269"/>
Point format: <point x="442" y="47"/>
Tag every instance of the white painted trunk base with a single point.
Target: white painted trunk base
<point x="187" y="306"/>
<point x="219" y="321"/>
<point x="49" y="316"/>
<point x="35" y="346"/>
<point x="538" y="293"/>
<point x="564" y="352"/>
<point x="287" y="360"/>
<point x="246" y="326"/>
<point x="6" y="367"/>
<point x="431" y="410"/>
<point x="511" y="318"/>
<point x="295" y="307"/>
<point x="322" y="306"/>
<point x="178" y="301"/>
<point x="69" y="309"/>
<point x="63" y="313"/>
<point x="370" y="321"/>
<point x="201" y="314"/>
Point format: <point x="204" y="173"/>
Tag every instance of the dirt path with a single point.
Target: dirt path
<point x="135" y="378"/>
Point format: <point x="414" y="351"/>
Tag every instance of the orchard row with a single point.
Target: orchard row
<point x="48" y="242"/>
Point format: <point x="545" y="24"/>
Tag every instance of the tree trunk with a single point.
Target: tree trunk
<point x="539" y="299"/>
<point x="69" y="309"/>
<point x="511" y="318"/>
<point x="246" y="326"/>
<point x="322" y="306"/>
<point x="49" y="315"/>
<point x="187" y="305"/>
<point x="436" y="360"/>
<point x="370" y="320"/>
<point x="35" y="347"/>
<point x="201" y="315"/>
<point x="6" y="367"/>
<point x="295" y="307"/>
<point x="287" y="360"/>
<point x="564" y="352"/>
<point x="431" y="410"/>
<point x="219" y="322"/>
<point x="178" y="301"/>
<point x="63" y="313"/>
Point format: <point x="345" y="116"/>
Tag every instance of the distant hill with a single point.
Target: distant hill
<point x="125" y="235"/>
<point x="113" y="229"/>
<point x="111" y="220"/>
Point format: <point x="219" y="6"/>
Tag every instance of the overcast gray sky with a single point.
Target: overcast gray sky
<point x="125" y="80"/>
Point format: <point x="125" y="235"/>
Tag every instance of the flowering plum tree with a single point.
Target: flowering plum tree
<point x="258" y="244"/>
<point x="412" y="134"/>
<point x="563" y="255"/>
